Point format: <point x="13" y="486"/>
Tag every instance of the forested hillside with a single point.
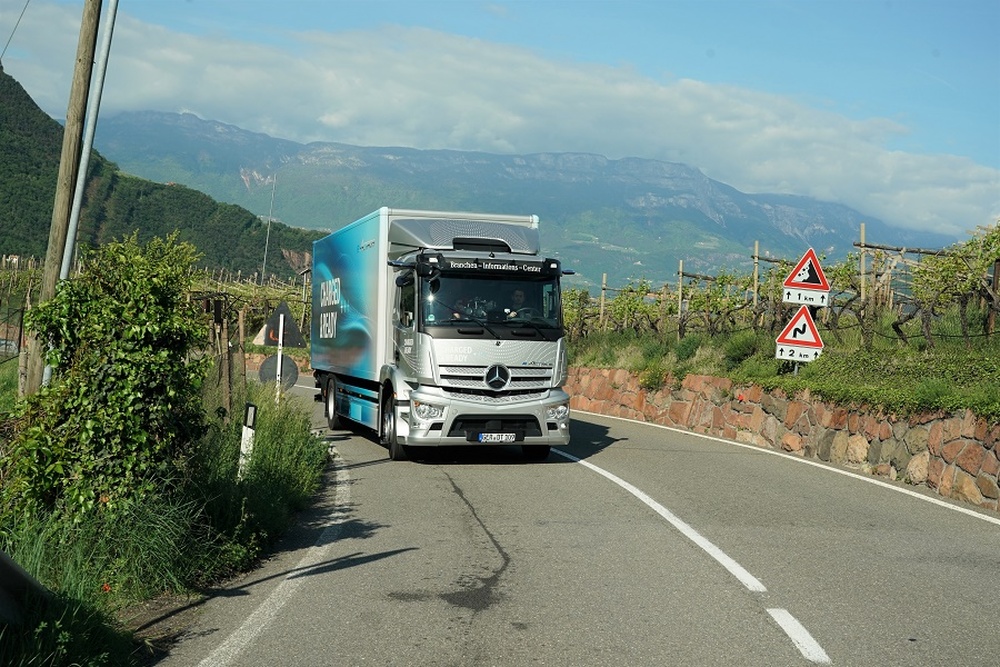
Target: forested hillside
<point x="115" y="204"/>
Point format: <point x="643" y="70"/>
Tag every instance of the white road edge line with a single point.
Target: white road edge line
<point x="815" y="464"/>
<point x="256" y="622"/>
<point x="737" y="570"/>
<point x="807" y="646"/>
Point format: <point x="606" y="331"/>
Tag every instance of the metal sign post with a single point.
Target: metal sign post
<point x="281" y="345"/>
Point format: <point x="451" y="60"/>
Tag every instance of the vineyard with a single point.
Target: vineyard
<point x="904" y="328"/>
<point x="902" y="294"/>
<point x="236" y="307"/>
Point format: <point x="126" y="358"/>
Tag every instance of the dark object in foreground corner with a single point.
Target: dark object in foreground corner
<point x="16" y="586"/>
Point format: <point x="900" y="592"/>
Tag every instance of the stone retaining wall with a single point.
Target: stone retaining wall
<point x="955" y="455"/>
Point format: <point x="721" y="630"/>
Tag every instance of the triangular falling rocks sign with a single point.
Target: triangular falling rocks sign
<point x="808" y="274"/>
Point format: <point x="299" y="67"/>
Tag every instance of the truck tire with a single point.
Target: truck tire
<point x="535" y="452"/>
<point x="332" y="419"/>
<point x="397" y="452"/>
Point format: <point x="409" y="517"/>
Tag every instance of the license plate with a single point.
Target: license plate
<point x="497" y="437"/>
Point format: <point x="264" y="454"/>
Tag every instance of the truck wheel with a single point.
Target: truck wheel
<point x="397" y="452"/>
<point x="332" y="419"/>
<point x="535" y="452"/>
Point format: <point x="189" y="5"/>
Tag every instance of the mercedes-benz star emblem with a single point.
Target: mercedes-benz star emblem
<point x="497" y="377"/>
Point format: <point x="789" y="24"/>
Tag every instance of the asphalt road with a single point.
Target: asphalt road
<point x="635" y="545"/>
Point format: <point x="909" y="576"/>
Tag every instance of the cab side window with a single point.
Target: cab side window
<point x="407" y="305"/>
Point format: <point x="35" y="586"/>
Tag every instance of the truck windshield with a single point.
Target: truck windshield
<point x="453" y="298"/>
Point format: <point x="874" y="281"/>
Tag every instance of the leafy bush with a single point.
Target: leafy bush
<point x="932" y="393"/>
<point x="123" y="408"/>
<point x="688" y="346"/>
<point x="739" y="347"/>
<point x="654" y="376"/>
<point x="8" y="385"/>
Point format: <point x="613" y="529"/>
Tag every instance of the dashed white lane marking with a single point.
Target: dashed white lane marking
<point x="808" y="647"/>
<point x="256" y="622"/>
<point x="737" y="570"/>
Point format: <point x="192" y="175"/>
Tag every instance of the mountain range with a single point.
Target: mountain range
<point x="236" y="193"/>
<point x="629" y="218"/>
<point x="116" y="205"/>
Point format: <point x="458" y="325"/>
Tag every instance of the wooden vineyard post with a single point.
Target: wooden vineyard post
<point x="680" y="299"/>
<point x="862" y="267"/>
<point x="663" y="307"/>
<point x="991" y="321"/>
<point x="604" y="289"/>
<point x="756" y="273"/>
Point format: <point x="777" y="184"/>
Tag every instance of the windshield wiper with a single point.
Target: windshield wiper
<point x="468" y="317"/>
<point x="483" y="324"/>
<point x="526" y="324"/>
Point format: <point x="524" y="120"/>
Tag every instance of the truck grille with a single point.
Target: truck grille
<point x="522" y="378"/>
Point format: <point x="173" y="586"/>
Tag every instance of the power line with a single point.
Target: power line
<point x="17" y="23"/>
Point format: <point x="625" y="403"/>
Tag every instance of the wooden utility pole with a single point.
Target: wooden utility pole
<point x="68" y="165"/>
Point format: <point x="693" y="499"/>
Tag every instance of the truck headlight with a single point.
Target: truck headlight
<point x="557" y="412"/>
<point x="427" y="411"/>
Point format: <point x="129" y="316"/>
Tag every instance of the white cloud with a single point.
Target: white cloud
<point x="426" y="89"/>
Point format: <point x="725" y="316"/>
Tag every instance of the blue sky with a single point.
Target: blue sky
<point x="891" y="107"/>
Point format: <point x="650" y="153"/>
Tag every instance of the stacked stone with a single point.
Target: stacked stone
<point x="953" y="454"/>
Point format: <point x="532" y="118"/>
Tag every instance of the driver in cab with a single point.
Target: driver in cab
<point x="516" y="302"/>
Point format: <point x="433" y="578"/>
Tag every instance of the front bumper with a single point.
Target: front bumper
<point x="475" y="419"/>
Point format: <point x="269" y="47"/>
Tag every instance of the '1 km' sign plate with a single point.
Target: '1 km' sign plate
<point x="799" y="340"/>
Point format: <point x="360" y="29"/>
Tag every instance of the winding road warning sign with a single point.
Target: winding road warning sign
<point x="807" y="283"/>
<point x="799" y="340"/>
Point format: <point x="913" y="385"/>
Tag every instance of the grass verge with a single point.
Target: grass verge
<point x="198" y="531"/>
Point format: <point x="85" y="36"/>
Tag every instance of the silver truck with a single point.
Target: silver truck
<point x="441" y="328"/>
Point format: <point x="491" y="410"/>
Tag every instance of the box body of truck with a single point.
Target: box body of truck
<point x="414" y="333"/>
